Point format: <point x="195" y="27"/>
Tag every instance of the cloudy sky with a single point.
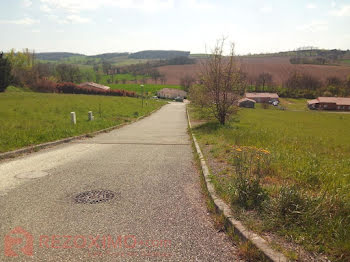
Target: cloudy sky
<point x="97" y="26"/>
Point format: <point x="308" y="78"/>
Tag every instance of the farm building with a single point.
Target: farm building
<point x="262" y="97"/>
<point x="94" y="85"/>
<point x="246" y="102"/>
<point x="330" y="103"/>
<point x="171" y="93"/>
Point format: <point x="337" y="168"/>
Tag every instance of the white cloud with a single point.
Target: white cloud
<point x="45" y="8"/>
<point x="76" y="19"/>
<point x="266" y="9"/>
<point x="311" y="6"/>
<point x="195" y="4"/>
<point x="26" y="3"/>
<point x="76" y="6"/>
<point x="333" y="4"/>
<point x="314" y="26"/>
<point x="344" y="11"/>
<point x="23" y="21"/>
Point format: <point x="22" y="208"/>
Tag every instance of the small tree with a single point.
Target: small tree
<point x="264" y="80"/>
<point x="163" y="79"/>
<point x="106" y="66"/>
<point x="5" y="73"/>
<point x="187" y="81"/>
<point x="222" y="82"/>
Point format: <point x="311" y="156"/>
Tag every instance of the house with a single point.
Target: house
<point x="330" y="103"/>
<point x="246" y="102"/>
<point x="262" y="97"/>
<point x="171" y="93"/>
<point x="94" y="85"/>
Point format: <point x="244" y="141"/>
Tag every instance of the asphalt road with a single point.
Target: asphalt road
<point x="157" y="213"/>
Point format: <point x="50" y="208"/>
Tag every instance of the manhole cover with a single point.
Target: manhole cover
<point x="31" y="175"/>
<point x="94" y="197"/>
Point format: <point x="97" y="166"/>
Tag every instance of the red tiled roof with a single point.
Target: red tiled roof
<point x="92" y="84"/>
<point x="257" y="95"/>
<point x="340" y="101"/>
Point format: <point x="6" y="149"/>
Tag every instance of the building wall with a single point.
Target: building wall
<point x="263" y="99"/>
<point x="247" y="104"/>
<point x="330" y="106"/>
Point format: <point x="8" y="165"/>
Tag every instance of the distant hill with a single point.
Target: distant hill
<point x="159" y="54"/>
<point x="109" y="55"/>
<point x="330" y="54"/>
<point x="148" y="54"/>
<point x="55" y="56"/>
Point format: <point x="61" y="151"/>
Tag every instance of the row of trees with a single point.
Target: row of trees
<point x="300" y="85"/>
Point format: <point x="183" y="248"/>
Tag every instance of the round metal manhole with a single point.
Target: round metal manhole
<point x="94" y="197"/>
<point x="32" y="175"/>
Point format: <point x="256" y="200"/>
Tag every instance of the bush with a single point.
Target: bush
<point x="44" y="85"/>
<point x="251" y="165"/>
<point x="71" y="88"/>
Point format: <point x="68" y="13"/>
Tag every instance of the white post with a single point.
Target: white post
<point x="91" y="117"/>
<point x="73" y="118"/>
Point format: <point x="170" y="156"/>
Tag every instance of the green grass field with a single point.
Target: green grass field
<point x="120" y="77"/>
<point x="307" y="178"/>
<point x="346" y="61"/>
<point x="294" y="104"/>
<point x="150" y="89"/>
<point x="28" y="118"/>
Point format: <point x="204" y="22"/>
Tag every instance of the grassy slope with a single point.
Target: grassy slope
<point x="308" y="149"/>
<point x="28" y="118"/>
<point x="150" y="89"/>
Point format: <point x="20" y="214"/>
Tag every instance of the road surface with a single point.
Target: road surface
<point x="151" y="209"/>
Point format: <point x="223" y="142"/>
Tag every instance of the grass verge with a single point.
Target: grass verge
<point x="28" y="118"/>
<point x="285" y="172"/>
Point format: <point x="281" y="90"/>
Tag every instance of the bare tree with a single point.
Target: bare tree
<point x="264" y="80"/>
<point x="144" y="80"/>
<point x="222" y="82"/>
<point x="187" y="81"/>
<point x="163" y="79"/>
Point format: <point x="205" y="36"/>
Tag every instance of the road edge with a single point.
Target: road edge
<point x="35" y="148"/>
<point x="245" y="234"/>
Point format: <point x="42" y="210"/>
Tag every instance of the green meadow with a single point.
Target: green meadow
<point x="149" y="89"/>
<point x="28" y="118"/>
<point x="304" y="182"/>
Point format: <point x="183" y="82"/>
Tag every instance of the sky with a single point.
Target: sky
<point x="100" y="26"/>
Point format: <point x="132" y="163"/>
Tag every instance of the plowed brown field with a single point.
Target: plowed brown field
<point x="279" y="67"/>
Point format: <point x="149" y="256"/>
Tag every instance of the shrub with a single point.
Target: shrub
<point x="71" y="88"/>
<point x="251" y="164"/>
<point x="44" y="85"/>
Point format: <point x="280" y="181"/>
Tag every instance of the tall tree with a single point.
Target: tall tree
<point x="5" y="73"/>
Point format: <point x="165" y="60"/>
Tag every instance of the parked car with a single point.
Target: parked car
<point x="179" y="99"/>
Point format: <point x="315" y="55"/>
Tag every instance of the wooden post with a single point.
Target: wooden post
<point x="73" y="118"/>
<point x="91" y="117"/>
